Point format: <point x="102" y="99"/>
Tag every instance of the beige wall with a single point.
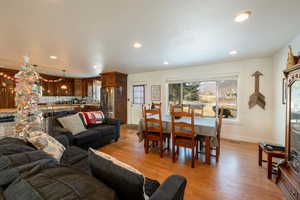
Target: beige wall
<point x="252" y="125"/>
<point x="279" y="64"/>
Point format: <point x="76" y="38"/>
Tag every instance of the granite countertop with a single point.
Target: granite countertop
<point x="45" y="107"/>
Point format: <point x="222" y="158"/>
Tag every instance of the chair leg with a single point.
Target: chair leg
<point x="161" y="147"/>
<point x="197" y="151"/>
<point x="218" y="153"/>
<point x="146" y="145"/>
<point x="193" y="157"/>
<point x="173" y="152"/>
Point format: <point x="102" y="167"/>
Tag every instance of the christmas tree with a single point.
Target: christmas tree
<point x="28" y="91"/>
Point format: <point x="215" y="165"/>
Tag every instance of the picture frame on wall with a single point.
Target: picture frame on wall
<point x="284" y="91"/>
<point x="155" y="93"/>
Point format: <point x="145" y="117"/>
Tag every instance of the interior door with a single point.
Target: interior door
<point x="137" y="102"/>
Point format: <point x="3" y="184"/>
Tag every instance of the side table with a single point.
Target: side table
<point x="270" y="155"/>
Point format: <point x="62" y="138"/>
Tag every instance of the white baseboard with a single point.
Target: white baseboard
<point x="248" y="139"/>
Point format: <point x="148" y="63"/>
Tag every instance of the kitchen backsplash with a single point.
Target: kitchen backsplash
<point x="52" y="99"/>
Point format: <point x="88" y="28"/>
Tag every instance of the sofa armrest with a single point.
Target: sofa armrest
<point x="115" y="122"/>
<point x="112" y="121"/>
<point x="171" y="189"/>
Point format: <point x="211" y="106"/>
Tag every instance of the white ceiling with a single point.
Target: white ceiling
<point x="84" y="33"/>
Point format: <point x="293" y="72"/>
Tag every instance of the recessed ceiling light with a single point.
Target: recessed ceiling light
<point x="95" y="66"/>
<point x="234" y="52"/>
<point x="166" y="63"/>
<point x="53" y="57"/>
<point x="242" y="16"/>
<point x="137" y="45"/>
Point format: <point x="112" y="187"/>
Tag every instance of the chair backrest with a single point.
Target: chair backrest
<point x="156" y="105"/>
<point x="189" y="123"/>
<point x="153" y="121"/>
<point x="198" y="109"/>
<point x="219" y="122"/>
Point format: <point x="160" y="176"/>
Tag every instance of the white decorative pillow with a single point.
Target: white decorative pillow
<point x="44" y="142"/>
<point x="73" y="123"/>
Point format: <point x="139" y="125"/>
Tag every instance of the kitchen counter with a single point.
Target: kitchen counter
<point x="55" y="107"/>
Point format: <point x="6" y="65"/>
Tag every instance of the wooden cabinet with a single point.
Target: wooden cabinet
<point x="55" y="88"/>
<point x="114" y="95"/>
<point x="289" y="172"/>
<point x="7" y="88"/>
<point x="78" y="88"/>
<point x="68" y="91"/>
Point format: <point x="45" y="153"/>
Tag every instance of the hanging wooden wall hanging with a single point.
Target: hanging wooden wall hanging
<point x="257" y="98"/>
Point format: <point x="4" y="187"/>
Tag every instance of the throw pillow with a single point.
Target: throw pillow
<point x="89" y="118"/>
<point x="73" y="123"/>
<point x="127" y="181"/>
<point x="99" y="116"/>
<point x="44" y="142"/>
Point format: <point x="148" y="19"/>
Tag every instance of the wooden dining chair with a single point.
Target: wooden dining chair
<point x="154" y="130"/>
<point x="201" y="139"/>
<point x="180" y="136"/>
<point x="156" y="105"/>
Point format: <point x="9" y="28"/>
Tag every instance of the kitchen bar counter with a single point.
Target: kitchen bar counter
<point x="55" y="107"/>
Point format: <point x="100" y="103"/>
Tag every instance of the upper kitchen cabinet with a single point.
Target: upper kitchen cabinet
<point x="7" y="88"/>
<point x="65" y="87"/>
<point x="78" y="87"/>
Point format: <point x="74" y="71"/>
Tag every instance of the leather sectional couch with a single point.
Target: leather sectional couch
<point x="27" y="174"/>
<point x="95" y="136"/>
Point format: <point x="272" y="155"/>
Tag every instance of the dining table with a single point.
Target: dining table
<point x="204" y="126"/>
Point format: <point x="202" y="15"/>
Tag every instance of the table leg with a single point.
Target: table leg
<point x="259" y="155"/>
<point x="269" y="166"/>
<point x="207" y="149"/>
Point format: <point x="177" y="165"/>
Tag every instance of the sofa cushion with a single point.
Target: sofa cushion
<point x="124" y="179"/>
<point x="73" y="123"/>
<point x="9" y="149"/>
<point x="105" y="129"/>
<point x="77" y="158"/>
<point x="89" y="136"/>
<point x="58" y="183"/>
<point x="14" y="160"/>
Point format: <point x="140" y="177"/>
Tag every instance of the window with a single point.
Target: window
<point x="205" y="96"/>
<point x="138" y="94"/>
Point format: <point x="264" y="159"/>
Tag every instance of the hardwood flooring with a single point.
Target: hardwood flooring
<point x="236" y="177"/>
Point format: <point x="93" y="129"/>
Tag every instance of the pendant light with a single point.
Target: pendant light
<point x="64" y="86"/>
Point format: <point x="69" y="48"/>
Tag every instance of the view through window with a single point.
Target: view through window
<point x="205" y="96"/>
<point x="138" y="94"/>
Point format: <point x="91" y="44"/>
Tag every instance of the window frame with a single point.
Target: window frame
<point x="144" y="93"/>
<point x="217" y="80"/>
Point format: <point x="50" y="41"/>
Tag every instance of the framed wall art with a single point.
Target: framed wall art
<point x="155" y="93"/>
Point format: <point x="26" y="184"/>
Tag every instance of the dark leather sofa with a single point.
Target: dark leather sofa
<point x="27" y="174"/>
<point x="95" y="136"/>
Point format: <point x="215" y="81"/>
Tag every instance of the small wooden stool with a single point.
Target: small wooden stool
<point x="270" y="155"/>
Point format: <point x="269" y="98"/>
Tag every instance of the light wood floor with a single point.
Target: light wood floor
<point x="236" y="177"/>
